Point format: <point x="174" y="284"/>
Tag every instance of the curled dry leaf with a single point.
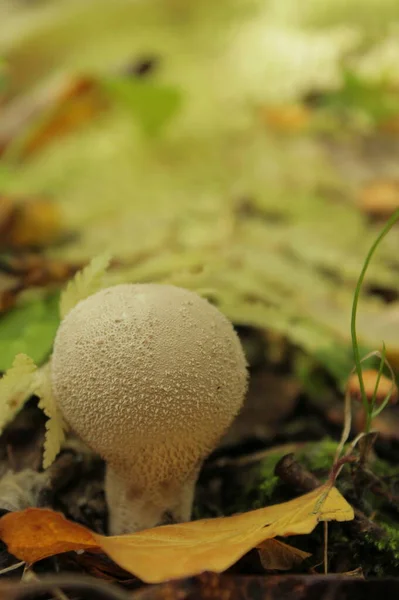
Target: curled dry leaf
<point x="174" y="551"/>
<point x="277" y="556"/>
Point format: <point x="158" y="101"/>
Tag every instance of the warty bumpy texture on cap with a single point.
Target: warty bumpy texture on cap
<point x="150" y="376"/>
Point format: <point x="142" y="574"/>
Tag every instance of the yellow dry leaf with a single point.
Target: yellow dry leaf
<point x="16" y="386"/>
<point x="174" y="551"/>
<point x="84" y="284"/>
<point x="54" y="426"/>
<point x="277" y="556"/>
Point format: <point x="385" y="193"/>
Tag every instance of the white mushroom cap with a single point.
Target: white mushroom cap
<point x="150" y="376"/>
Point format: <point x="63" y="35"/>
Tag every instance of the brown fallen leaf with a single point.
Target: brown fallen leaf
<point x="174" y="551"/>
<point x="27" y="270"/>
<point x="32" y="223"/>
<point x="277" y="556"/>
<point x="76" y="104"/>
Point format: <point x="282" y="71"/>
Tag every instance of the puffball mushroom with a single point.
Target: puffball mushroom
<point x="149" y="376"/>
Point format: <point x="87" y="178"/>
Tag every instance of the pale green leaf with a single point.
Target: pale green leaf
<point x="151" y="105"/>
<point x="16" y="386"/>
<point x="84" y="284"/>
<point x="29" y="329"/>
<point x="55" y="425"/>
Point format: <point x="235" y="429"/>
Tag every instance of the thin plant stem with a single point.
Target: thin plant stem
<point x="355" y="345"/>
<point x="377" y="411"/>
<point x="377" y="383"/>
<point x="12" y="567"/>
<point x="348" y="405"/>
<point x="325" y="547"/>
<point x="347" y="426"/>
<point x="355" y="442"/>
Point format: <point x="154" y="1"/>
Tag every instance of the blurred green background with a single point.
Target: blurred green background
<point x="246" y="149"/>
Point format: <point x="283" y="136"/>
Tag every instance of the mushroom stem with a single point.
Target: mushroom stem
<point x="133" y="509"/>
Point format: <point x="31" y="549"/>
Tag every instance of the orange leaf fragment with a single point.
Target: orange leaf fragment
<point x="36" y="533"/>
<point x="379" y="198"/>
<point x="175" y="551"/>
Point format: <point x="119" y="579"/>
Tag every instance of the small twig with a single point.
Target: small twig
<point x="12" y="568"/>
<point x="338" y="466"/>
<point x="292" y="472"/>
<point x="248" y="459"/>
